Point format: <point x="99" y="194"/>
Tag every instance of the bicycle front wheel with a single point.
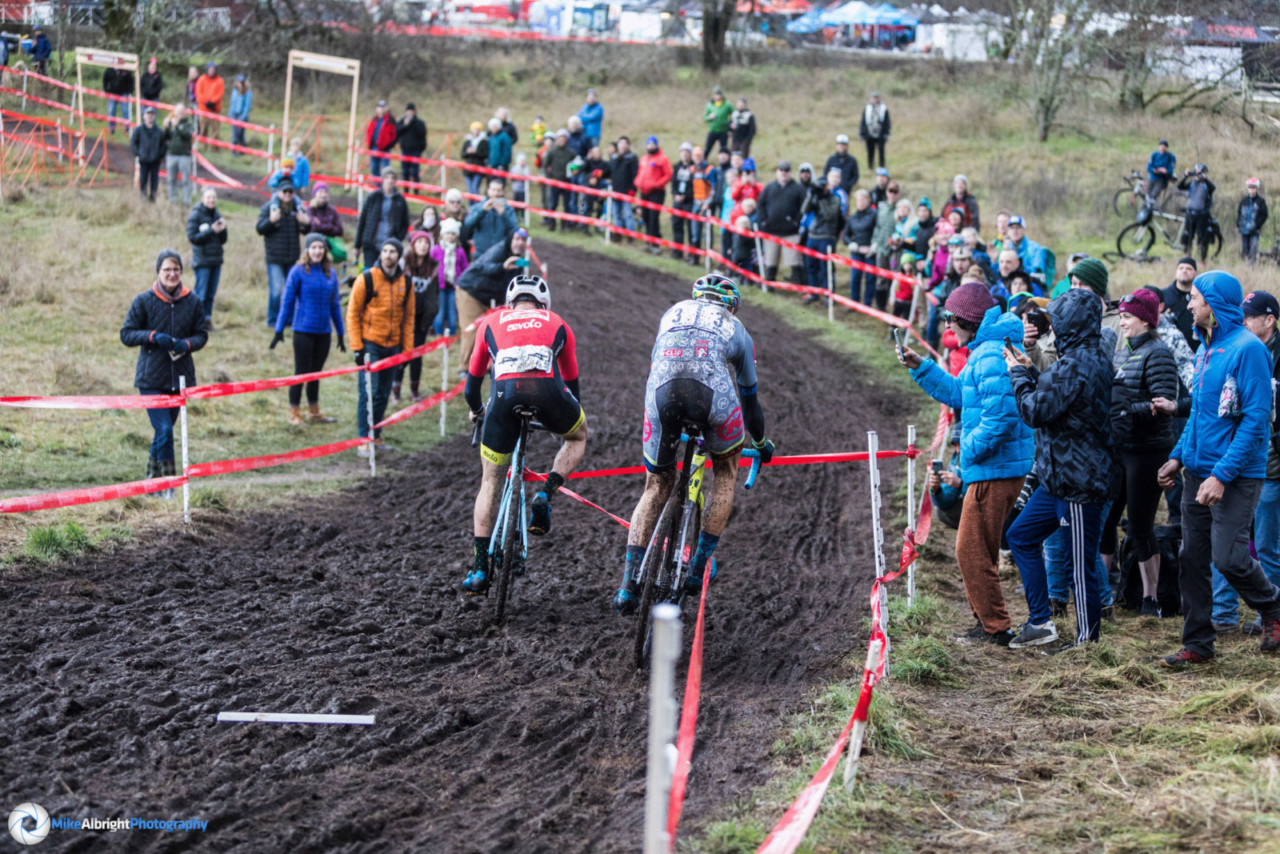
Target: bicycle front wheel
<point x="656" y="573"/>
<point x="1215" y="244"/>
<point x="1136" y="238"/>
<point x="1125" y="203"/>
<point x="510" y="545"/>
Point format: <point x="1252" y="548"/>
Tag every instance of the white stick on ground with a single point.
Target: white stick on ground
<point x="911" y="512"/>
<point x="859" y="727"/>
<point x="293" y="718"/>
<point x="662" y="725"/>
<point x="368" y="393"/>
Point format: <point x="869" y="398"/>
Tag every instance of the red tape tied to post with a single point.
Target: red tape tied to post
<point x="149" y="401"/>
<point x="688" y="723"/>
<point x="74" y="497"/>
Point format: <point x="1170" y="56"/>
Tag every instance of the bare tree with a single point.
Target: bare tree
<point x="717" y="19"/>
<point x="1050" y="39"/>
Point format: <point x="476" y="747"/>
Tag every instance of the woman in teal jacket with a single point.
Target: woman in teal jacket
<point x="996" y="447"/>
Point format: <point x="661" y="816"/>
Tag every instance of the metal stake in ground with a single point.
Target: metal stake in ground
<point x="760" y="262"/>
<point x="860" y="721"/>
<point x="911" y="509"/>
<point x="873" y="447"/>
<point x="368" y="393"/>
<point x="831" y="286"/>
<point x="182" y="419"/>
<point x="444" y="381"/>
<point x="662" y="725"/>
<point x="706" y="240"/>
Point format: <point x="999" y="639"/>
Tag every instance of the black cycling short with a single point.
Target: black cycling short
<point x="685" y="402"/>
<point x="557" y="410"/>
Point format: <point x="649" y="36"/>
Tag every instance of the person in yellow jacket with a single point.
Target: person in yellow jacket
<point x="380" y="323"/>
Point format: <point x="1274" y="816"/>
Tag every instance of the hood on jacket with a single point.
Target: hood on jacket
<point x="1223" y="293"/>
<point x="996" y="326"/>
<point x="1076" y="318"/>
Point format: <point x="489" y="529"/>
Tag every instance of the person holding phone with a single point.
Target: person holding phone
<point x="995" y="448"/>
<point x="207" y="231"/>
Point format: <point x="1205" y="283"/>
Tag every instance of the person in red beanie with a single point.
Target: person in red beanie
<point x="1143" y="435"/>
<point x="996" y="447"/>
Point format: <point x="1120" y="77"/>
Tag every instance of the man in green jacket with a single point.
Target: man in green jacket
<point x="717" y="115"/>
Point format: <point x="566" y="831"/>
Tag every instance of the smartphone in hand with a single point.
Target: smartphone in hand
<point x="898" y="334"/>
<point x="1008" y="345"/>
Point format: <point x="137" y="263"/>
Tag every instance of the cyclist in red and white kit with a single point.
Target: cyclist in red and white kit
<point x="530" y="352"/>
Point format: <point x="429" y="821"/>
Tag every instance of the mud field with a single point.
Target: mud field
<point x="526" y="738"/>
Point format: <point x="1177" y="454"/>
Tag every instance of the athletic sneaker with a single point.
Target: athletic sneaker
<point x="540" y="514"/>
<point x="1058" y="608"/>
<point x="1253" y="629"/>
<point x="1001" y="638"/>
<point x="477" y="581"/>
<point x="627" y="600"/>
<point x="1150" y="607"/>
<point x="1270" y="636"/>
<point x="1226" y="628"/>
<point x="1184" y="658"/>
<point x="1030" y="635"/>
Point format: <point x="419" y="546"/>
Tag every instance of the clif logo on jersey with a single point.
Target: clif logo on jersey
<point x="673" y="353"/>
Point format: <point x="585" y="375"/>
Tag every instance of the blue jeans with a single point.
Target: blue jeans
<point x="931" y="332"/>
<point x="1248" y="244"/>
<point x="237" y="138"/>
<point x="447" y="314"/>
<point x="1058" y="568"/>
<point x="377" y="164"/>
<point x="473" y="179"/>
<point x="207" y="279"/>
<point x="275" y="290"/>
<point x="162" y="421"/>
<point x="817" y="267"/>
<point x="1266" y="539"/>
<point x="117" y="108"/>
<point x="857" y="279"/>
<point x="622" y="216"/>
<point x="1040" y="519"/>
<point x="381" y="390"/>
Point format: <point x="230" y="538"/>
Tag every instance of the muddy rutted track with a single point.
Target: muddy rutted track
<point x="527" y="738"/>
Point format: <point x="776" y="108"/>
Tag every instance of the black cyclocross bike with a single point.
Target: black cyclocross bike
<point x="666" y="560"/>
<point x="506" y="554"/>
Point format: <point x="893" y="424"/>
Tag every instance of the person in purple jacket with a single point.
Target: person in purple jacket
<point x="311" y="305"/>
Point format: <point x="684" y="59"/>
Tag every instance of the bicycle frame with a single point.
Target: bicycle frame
<point x="515" y="483"/>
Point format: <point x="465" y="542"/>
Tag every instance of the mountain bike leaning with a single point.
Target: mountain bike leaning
<point x="702" y="380"/>
<point x="530" y="353"/>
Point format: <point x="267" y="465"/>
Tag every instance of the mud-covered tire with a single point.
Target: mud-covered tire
<point x="502" y="583"/>
<point x="1135" y="238"/>
<point x="658" y="562"/>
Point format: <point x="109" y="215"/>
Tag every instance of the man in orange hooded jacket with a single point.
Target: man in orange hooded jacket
<point x="209" y="89"/>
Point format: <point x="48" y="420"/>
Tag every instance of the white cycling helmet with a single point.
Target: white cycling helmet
<point x="529" y="286"/>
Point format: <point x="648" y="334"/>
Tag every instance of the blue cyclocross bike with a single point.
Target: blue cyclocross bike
<point x="506" y="555"/>
<point x="666" y="559"/>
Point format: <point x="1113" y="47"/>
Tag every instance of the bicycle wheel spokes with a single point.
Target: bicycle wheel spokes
<point x="690" y="525"/>
<point x="512" y="521"/>
<point x="1135" y="239"/>
<point x="656" y="572"/>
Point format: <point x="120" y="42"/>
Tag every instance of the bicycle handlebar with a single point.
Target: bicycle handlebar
<point x="475" y="432"/>
<point x="754" y="456"/>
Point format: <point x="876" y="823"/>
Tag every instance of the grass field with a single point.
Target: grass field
<point x="971" y="750"/>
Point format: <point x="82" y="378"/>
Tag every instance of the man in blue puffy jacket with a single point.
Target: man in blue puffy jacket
<point x="592" y="115"/>
<point x="1223" y="454"/>
<point x="1160" y="169"/>
<point x="995" y="448"/>
<point x="1069" y="406"/>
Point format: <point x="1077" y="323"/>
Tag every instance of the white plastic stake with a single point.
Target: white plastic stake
<point x="706" y="241"/>
<point x="444" y="381"/>
<point x="662" y="725"/>
<point x="59" y="125"/>
<point x="760" y="261"/>
<point x="873" y="447"/>
<point x="368" y="394"/>
<point x="831" y="282"/>
<point x="271" y="149"/>
<point x="911" y="511"/>
<point x="182" y="420"/>
<point x="291" y="718"/>
<point x="859" y="727"/>
<point x="608" y="218"/>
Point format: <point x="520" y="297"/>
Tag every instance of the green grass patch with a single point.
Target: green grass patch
<point x="925" y="613"/>
<point x="922" y="659"/>
<point x="888" y="733"/>
<point x="1246" y="703"/>
<point x="205" y="498"/>
<point x="52" y="543"/>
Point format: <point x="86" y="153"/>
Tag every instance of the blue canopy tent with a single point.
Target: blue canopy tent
<point x="886" y="15"/>
<point x="847" y="15"/>
<point x="809" y="22"/>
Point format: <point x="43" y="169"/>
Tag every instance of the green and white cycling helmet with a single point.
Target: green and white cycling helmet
<point x="717" y="288"/>
<point x="529" y="286"/>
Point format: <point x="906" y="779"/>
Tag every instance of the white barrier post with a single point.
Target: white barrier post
<point x="859" y="727"/>
<point x="911" y="511"/>
<point x="706" y="244"/>
<point x="271" y="151"/>
<point x="873" y="447"/>
<point x="662" y="725"/>
<point x="831" y="287"/>
<point x="368" y="393"/>
<point x="182" y="419"/>
<point x="444" y="382"/>
<point x="608" y="218"/>
<point x="59" y="142"/>
<point x="24" y="94"/>
<point x="760" y="261"/>
<point x="915" y="303"/>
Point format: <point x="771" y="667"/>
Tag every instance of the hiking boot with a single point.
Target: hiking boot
<point x="316" y="417"/>
<point x="1058" y="608"/>
<point x="395" y="392"/>
<point x="976" y="634"/>
<point x="540" y="514"/>
<point x="1150" y="607"/>
<point x="1184" y="658"/>
<point x="1226" y="628"/>
<point x="1270" y="636"/>
<point x="168" y="468"/>
<point x="627" y="600"/>
<point x="1000" y="638"/>
<point x="1030" y="635"/>
<point x="477" y="582"/>
<point x="295" y="416"/>
<point x="362" y="451"/>
<point x="1253" y="629"/>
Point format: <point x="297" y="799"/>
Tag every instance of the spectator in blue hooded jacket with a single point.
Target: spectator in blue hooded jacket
<point x="1069" y="406"/>
<point x="995" y="448"/>
<point x="1160" y="169"/>
<point x="592" y="116"/>
<point x="491" y="221"/>
<point x="311" y="304"/>
<point x="499" y="147"/>
<point x="1036" y="260"/>
<point x="1223" y="456"/>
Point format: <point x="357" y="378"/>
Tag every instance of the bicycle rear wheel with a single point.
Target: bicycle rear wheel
<point x="1125" y="203"/>
<point x="1136" y="238"/>
<point x="1215" y="243"/>
<point x="510" y="543"/>
<point x="690" y="525"/>
<point x="656" y="573"/>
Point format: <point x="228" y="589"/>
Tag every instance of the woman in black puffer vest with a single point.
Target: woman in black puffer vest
<point x="168" y="323"/>
<point x="1145" y="369"/>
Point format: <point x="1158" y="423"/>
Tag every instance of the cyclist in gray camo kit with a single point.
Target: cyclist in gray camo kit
<point x="703" y="374"/>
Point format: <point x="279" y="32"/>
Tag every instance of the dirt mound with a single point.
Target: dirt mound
<point x="526" y="738"/>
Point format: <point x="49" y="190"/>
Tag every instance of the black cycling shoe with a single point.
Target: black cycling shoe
<point x="627" y="600"/>
<point x="476" y="583"/>
<point x="540" y="514"/>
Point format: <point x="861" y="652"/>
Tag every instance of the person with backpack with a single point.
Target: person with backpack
<point x="380" y="318"/>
